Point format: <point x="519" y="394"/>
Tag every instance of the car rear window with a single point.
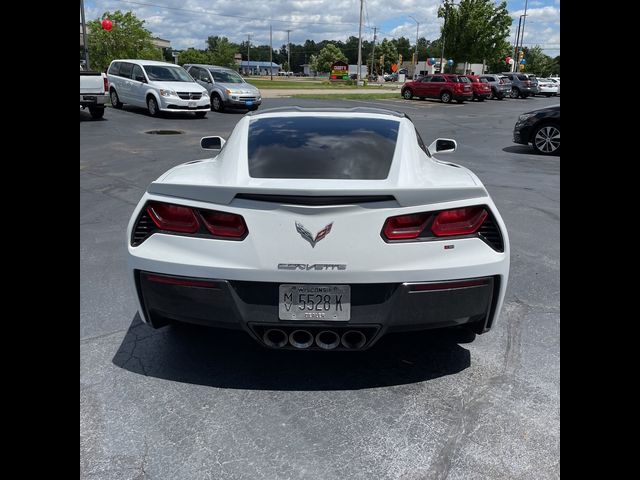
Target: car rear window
<point x="463" y="80"/>
<point x="522" y="77"/>
<point x="321" y="147"/>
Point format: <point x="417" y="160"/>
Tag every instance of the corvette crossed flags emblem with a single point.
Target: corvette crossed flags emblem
<point x="306" y="234"/>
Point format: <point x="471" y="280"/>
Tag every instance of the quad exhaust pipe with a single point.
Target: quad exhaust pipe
<point x="353" y="339"/>
<point x="301" y="338"/>
<point x="327" y="340"/>
<point x="324" y="339"/>
<point x="274" y="337"/>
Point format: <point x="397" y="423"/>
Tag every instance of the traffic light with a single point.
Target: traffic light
<point x="521" y="54"/>
<point x="382" y="60"/>
<point x="400" y="59"/>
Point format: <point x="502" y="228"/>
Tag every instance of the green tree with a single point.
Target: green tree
<point x="127" y="39"/>
<point x="193" y="55"/>
<point x="390" y="53"/>
<point x="403" y="47"/>
<point x="476" y="31"/>
<point x="538" y="62"/>
<point x="221" y="51"/>
<point x="327" y="56"/>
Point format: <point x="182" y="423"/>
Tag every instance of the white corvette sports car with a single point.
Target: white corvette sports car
<point x="320" y="229"/>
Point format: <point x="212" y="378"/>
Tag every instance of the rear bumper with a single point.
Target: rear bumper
<point x="93" y="100"/>
<point x="377" y="308"/>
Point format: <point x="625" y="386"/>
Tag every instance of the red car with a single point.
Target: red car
<point x="480" y="86"/>
<point x="446" y="87"/>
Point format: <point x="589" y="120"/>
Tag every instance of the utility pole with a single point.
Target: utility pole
<point x="288" y="52"/>
<point x="415" y="64"/>
<point x="515" y="52"/>
<point x="84" y="36"/>
<point x="249" y="53"/>
<point x="523" y="22"/>
<point x="360" y="45"/>
<point x="444" y="27"/>
<point x="271" y="51"/>
<point x="375" y="29"/>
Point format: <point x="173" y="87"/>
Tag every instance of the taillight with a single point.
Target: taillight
<point x="460" y="221"/>
<point x="105" y="80"/>
<point x="174" y="218"/>
<point x="222" y="224"/>
<point x="405" y="227"/>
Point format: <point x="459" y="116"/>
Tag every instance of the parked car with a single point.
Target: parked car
<point x="520" y="85"/>
<point x="547" y="87"/>
<point x="556" y="80"/>
<point x="226" y="87"/>
<point x="159" y="86"/>
<point x="94" y="92"/>
<point x="480" y="88"/>
<point x="540" y="128"/>
<point x="391" y="77"/>
<point x="533" y="83"/>
<point x="305" y="246"/>
<point x="500" y="85"/>
<point x="446" y="87"/>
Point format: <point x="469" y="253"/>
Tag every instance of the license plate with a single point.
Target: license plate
<point x="192" y="104"/>
<point x="249" y="103"/>
<point x="314" y="302"/>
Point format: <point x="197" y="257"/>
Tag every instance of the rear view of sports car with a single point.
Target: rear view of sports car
<point x="320" y="229"/>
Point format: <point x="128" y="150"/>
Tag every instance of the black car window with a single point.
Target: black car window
<point x="114" y="69"/>
<point x="321" y="147"/>
<point x="437" y="78"/>
<point x="426" y="79"/>
<point x="522" y="77"/>
<point x="463" y="79"/>
<point x="125" y="69"/>
<point x="137" y="74"/>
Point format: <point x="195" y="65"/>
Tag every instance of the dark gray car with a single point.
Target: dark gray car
<point x="500" y="85"/>
<point x="226" y="87"/>
<point x="522" y="85"/>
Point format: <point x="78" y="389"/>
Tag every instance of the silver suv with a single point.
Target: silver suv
<point x="500" y="85"/>
<point x="225" y="87"/>
<point x="522" y="84"/>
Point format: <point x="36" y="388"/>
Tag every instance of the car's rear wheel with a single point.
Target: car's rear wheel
<point x="546" y="139"/>
<point x="115" y="101"/>
<point x="216" y="103"/>
<point x="96" y="112"/>
<point x="515" y="92"/>
<point x="407" y="94"/>
<point x="152" y="106"/>
<point x="445" y="97"/>
<point x="201" y="114"/>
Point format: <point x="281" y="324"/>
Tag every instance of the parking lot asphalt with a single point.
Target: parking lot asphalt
<point x="198" y="403"/>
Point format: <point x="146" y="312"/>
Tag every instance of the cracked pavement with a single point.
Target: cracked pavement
<point x="197" y="403"/>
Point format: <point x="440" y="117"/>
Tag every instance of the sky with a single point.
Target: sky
<point x="188" y="23"/>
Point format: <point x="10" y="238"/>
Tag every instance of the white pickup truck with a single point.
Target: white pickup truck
<point x="94" y="92"/>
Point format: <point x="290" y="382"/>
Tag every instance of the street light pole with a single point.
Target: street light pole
<point x="288" y="52"/>
<point x="359" y="46"/>
<point x="415" y="65"/>
<point x="444" y="28"/>
<point x="271" y="52"/>
<point x="84" y="36"/>
<point x="249" y="53"/>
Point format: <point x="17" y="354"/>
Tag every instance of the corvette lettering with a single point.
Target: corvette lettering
<point x="312" y="266"/>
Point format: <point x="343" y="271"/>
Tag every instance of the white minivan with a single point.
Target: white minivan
<point x="158" y="86"/>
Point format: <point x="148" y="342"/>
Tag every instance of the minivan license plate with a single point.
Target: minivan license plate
<point x="314" y="302"/>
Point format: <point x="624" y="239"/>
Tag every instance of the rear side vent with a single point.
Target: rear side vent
<point x="490" y="233"/>
<point x="144" y="228"/>
<point x="316" y="200"/>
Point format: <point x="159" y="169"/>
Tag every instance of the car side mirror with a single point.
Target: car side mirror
<point x="212" y="143"/>
<point x="140" y="78"/>
<point x="443" y="145"/>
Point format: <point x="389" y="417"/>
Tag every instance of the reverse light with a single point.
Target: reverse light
<point x="173" y="218"/>
<point x="226" y="225"/>
<point x="460" y="221"/>
<point x="405" y="227"/>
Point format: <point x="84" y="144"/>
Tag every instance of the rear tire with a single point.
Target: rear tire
<point x="407" y="94"/>
<point x="515" y="92"/>
<point x="96" y="112"/>
<point x="115" y="100"/>
<point x="445" y="97"/>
